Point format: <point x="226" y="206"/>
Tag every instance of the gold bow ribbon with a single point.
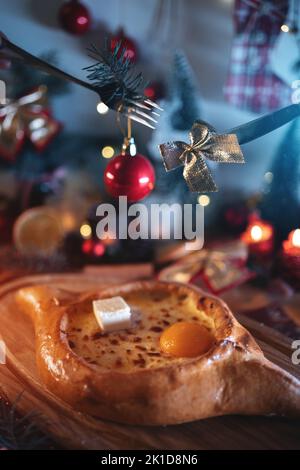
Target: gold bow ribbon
<point x="205" y="143"/>
<point x="26" y="116"/>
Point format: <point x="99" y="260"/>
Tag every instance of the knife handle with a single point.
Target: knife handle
<point x="259" y="127"/>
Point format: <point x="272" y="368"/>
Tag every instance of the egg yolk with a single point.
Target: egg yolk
<point x="186" y="339"/>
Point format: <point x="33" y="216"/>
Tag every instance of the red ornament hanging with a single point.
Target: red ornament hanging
<point x="87" y="247"/>
<point x="155" y="91"/>
<point x="74" y="17"/>
<point x="129" y="174"/>
<point x="131" y="51"/>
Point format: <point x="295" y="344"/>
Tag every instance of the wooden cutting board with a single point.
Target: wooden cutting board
<point x="76" y="430"/>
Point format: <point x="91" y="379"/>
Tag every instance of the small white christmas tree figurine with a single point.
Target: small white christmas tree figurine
<point x="181" y="108"/>
<point x="185" y="109"/>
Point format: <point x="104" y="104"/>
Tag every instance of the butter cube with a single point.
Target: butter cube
<point x="112" y="314"/>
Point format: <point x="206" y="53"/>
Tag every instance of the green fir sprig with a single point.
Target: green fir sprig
<point x="112" y="70"/>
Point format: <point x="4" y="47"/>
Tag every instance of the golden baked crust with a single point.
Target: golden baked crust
<point x="144" y="386"/>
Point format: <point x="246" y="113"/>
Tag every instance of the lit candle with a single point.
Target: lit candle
<point x="291" y="246"/>
<point x="259" y="237"/>
<point x="290" y="257"/>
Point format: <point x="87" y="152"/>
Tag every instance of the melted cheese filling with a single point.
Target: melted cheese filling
<point x="138" y="347"/>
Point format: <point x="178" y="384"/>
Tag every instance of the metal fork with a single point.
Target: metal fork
<point x="144" y="112"/>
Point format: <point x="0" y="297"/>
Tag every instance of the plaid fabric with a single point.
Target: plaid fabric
<point x="250" y="83"/>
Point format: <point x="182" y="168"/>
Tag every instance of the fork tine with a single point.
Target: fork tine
<point x="141" y="113"/>
<point x="138" y="104"/>
<point x="136" y="118"/>
<point x="154" y="105"/>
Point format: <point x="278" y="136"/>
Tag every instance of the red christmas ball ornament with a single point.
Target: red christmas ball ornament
<point x="99" y="249"/>
<point x="155" y="91"/>
<point x="131" y="51"/>
<point x="74" y="17"/>
<point x="87" y="247"/>
<point x="131" y="176"/>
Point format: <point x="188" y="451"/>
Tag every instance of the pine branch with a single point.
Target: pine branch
<point x="115" y="71"/>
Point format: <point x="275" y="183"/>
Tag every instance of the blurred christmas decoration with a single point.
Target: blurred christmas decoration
<point x="130" y="173"/>
<point x="290" y="258"/>
<point x="30" y="117"/>
<point x="287" y="66"/>
<point x="155" y="91"/>
<point x="38" y="191"/>
<point x="86" y="231"/>
<point x="291" y="25"/>
<point x="291" y="246"/>
<point x="205" y="144"/>
<point x="93" y="248"/>
<point x="112" y="78"/>
<point x="66" y="179"/>
<point x="119" y="86"/>
<point x="259" y="237"/>
<point x="218" y="269"/>
<point x="74" y="17"/>
<point x="251" y="83"/>
<point x="38" y="232"/>
<point x="186" y="104"/>
<point x="281" y="205"/>
<point x="107" y="151"/>
<point x="102" y="108"/>
<point x="131" y="176"/>
<point x="27" y="114"/>
<point x="185" y="109"/>
<point x="126" y="44"/>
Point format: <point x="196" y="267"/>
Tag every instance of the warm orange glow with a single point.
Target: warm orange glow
<point x="291" y="246"/>
<point x="108" y="238"/>
<point x="68" y="221"/>
<point x="259" y="236"/>
<point x="296" y="238"/>
<point x="86" y="230"/>
<point x="204" y="200"/>
<point x="107" y="152"/>
<point x="256" y="233"/>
